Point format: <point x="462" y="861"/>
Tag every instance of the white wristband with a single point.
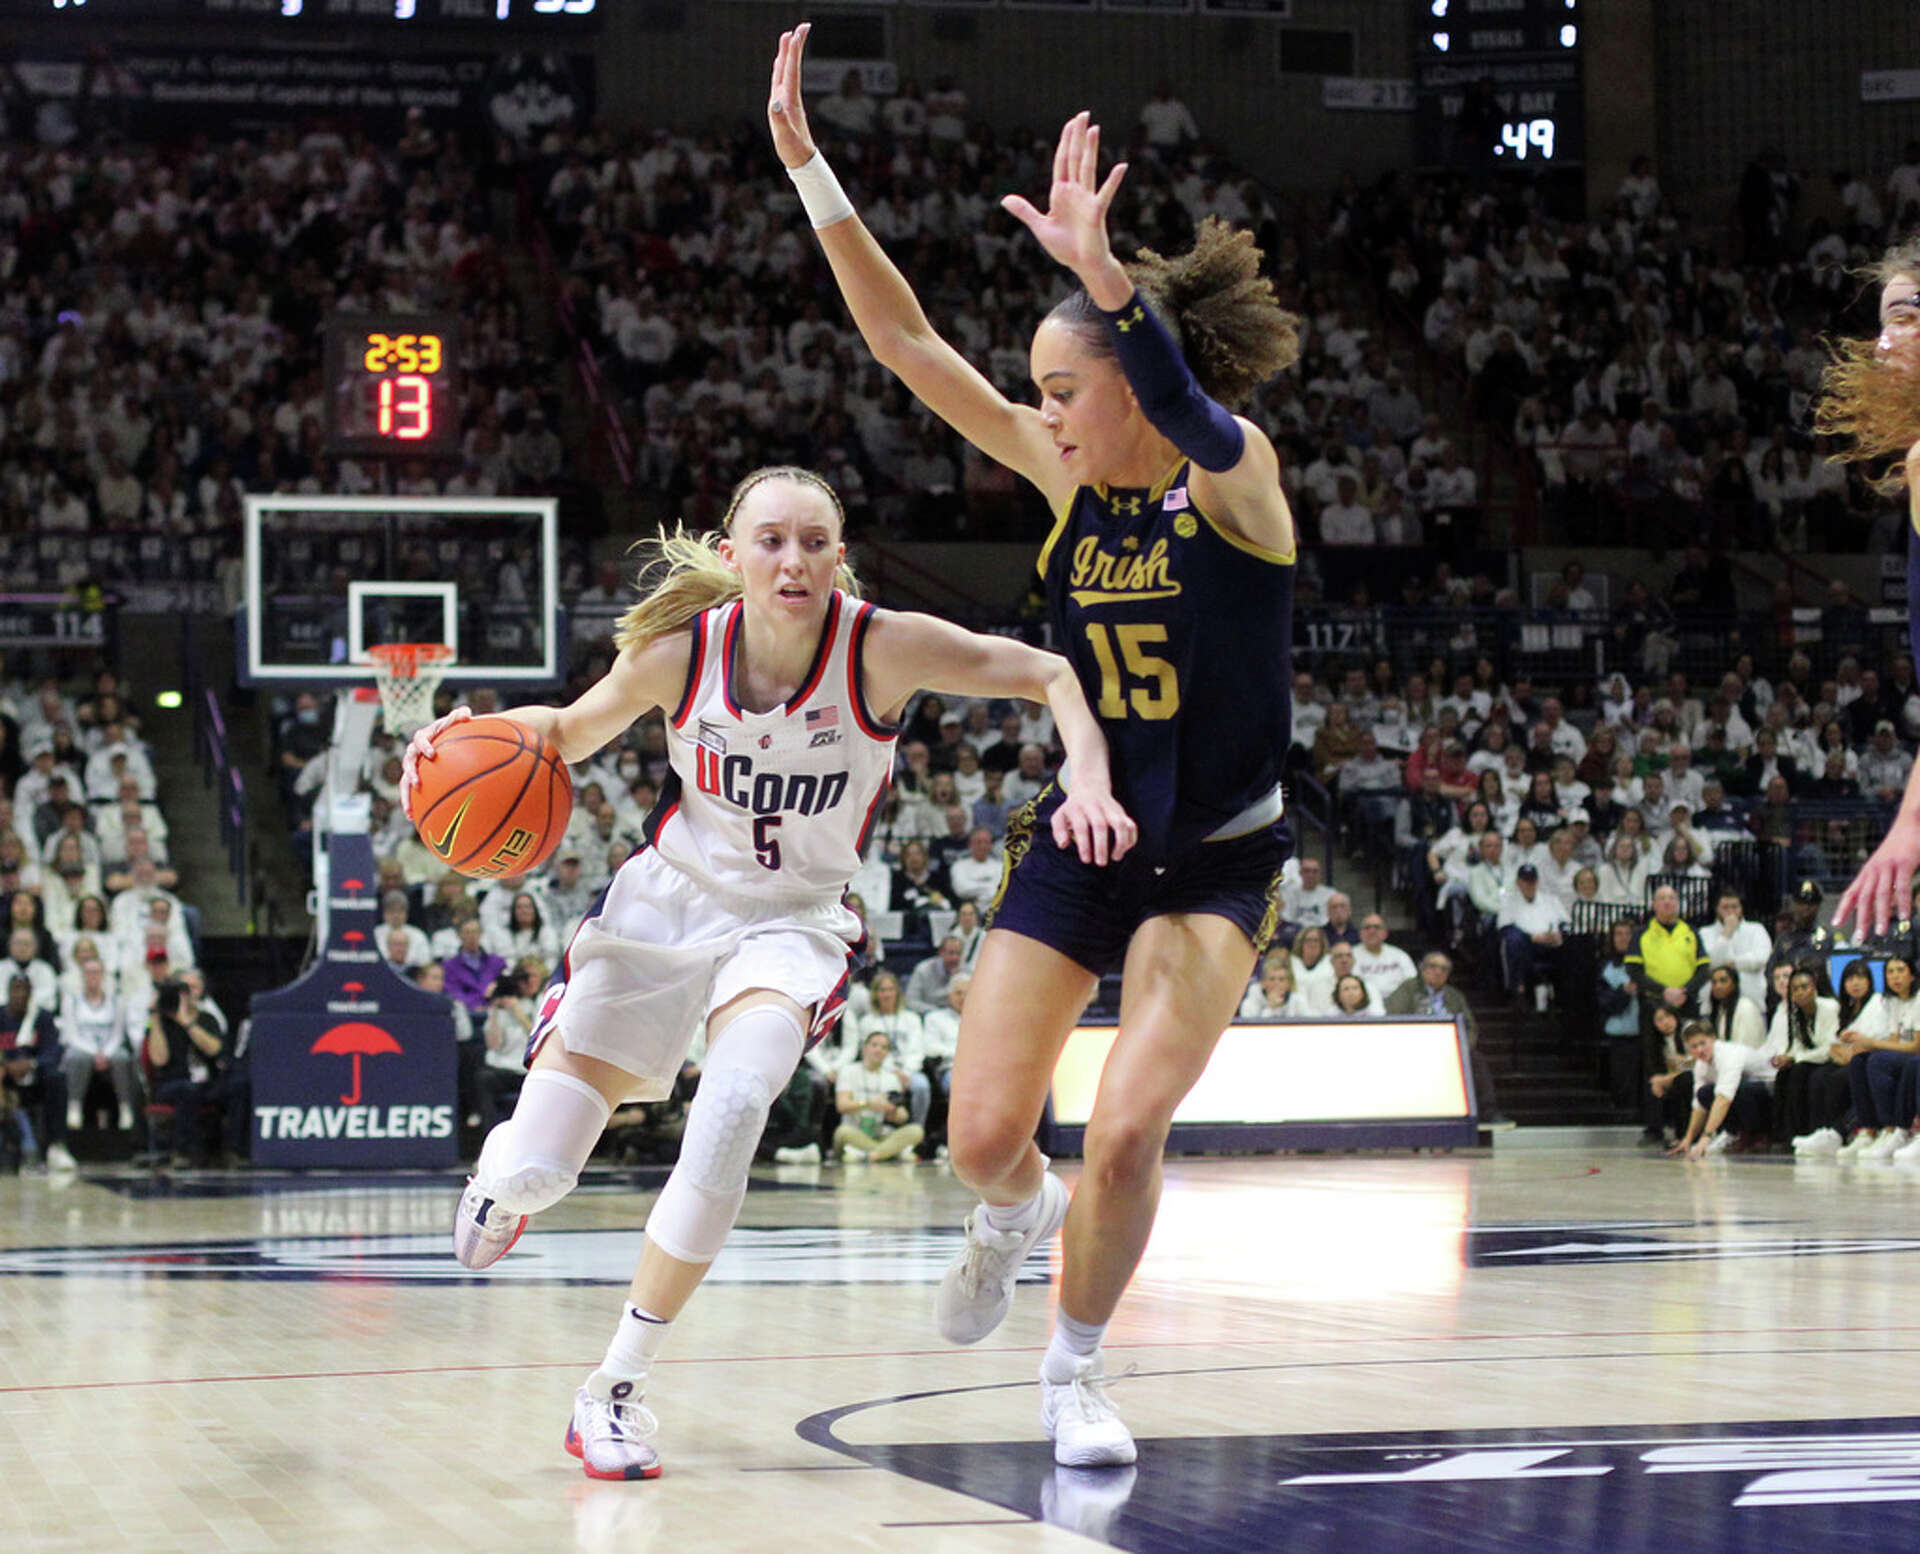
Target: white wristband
<point x="820" y="193"/>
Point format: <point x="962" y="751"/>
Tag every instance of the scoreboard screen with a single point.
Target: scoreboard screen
<point x="390" y="384"/>
<point x="1498" y="84"/>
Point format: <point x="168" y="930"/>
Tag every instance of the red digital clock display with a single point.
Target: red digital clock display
<point x="389" y="384"/>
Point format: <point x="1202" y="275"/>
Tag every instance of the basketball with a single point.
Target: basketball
<point x="495" y="799"/>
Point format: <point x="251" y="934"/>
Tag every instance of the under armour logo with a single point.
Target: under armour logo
<point x="1127" y="506"/>
<point x="1132" y="318"/>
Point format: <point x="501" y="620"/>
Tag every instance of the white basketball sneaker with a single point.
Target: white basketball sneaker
<point x="1081" y="1421"/>
<point x="978" y="1288"/>
<point x="611" y="1430"/>
<point x="1884" y="1146"/>
<point x="1857" y="1146"/>
<point x="483" y="1232"/>
<point x="1908" y="1153"/>
<point x="1822" y="1141"/>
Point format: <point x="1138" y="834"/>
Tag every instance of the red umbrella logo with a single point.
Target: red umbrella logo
<point x="355" y="1039"/>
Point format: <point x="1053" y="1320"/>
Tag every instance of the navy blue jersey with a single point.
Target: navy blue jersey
<point x="1181" y="635"/>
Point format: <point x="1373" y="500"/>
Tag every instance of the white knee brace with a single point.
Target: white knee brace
<point x="748" y="1064"/>
<point x="533" y="1159"/>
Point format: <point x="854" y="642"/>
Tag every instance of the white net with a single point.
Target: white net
<point x="407" y="674"/>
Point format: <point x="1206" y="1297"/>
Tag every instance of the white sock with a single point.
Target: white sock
<point x="1072" y="1344"/>
<point x="636" y="1342"/>
<point x="1017" y="1217"/>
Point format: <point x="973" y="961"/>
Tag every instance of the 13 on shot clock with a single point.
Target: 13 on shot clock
<point x="390" y="384"/>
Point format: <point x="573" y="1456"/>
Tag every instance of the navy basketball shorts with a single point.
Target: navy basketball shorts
<point x="1089" y="914"/>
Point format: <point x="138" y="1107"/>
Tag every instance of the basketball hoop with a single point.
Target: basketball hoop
<point x="407" y="674"/>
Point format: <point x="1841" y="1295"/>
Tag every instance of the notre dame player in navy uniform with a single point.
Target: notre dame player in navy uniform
<point x="1169" y="573"/>
<point x="1870" y="395"/>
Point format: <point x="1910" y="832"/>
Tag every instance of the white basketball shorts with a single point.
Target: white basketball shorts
<point x="665" y="950"/>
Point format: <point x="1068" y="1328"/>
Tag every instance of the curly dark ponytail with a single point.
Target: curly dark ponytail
<point x="1219" y="308"/>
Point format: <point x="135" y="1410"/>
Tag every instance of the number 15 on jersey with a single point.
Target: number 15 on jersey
<point x="1134" y="680"/>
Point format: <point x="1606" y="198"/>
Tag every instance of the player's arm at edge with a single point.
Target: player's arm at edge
<point x="903" y="340"/>
<point x="907" y="652"/>
<point x="652" y="674"/>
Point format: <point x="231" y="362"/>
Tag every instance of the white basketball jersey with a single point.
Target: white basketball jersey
<point x="779" y="802"/>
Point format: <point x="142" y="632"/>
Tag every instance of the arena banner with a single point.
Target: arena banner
<point x="353" y="1065"/>
<point x="163" y="93"/>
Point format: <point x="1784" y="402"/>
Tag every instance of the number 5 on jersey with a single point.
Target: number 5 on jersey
<point x="1133" y="678"/>
<point x="766" y="846"/>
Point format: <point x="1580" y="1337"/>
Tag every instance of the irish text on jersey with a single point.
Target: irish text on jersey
<point x="732" y="778"/>
<point x="1100" y="576"/>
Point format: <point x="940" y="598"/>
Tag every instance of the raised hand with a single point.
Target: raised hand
<point x="420" y="748"/>
<point x="786" y="109"/>
<point x="1073" y="227"/>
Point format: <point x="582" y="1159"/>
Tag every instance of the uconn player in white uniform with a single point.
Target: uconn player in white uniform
<point x="781" y="691"/>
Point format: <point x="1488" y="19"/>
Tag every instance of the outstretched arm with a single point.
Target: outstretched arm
<point x="909" y="652"/>
<point x="642" y="678"/>
<point x="884" y="308"/>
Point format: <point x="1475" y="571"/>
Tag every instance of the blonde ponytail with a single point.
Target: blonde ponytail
<point x="683" y="573"/>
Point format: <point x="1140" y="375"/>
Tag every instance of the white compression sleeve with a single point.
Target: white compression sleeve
<point x="747" y="1066"/>
<point x="533" y="1159"/>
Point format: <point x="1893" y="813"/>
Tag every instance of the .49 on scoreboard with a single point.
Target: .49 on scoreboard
<point x="1499" y="83"/>
<point x="390" y="384"/>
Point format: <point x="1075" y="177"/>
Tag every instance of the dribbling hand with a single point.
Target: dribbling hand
<point x="1073" y="227"/>
<point x="1096" y="827"/>
<point x="786" y="110"/>
<point x="420" y="748"/>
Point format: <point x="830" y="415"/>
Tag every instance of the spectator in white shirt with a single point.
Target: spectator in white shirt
<point x="1166" y="122"/>
<point x="1532" y="927"/>
<point x="1312" y="968"/>
<point x="940" y="1031"/>
<point x="1744" y="946"/>
<point x="1731" y="1085"/>
<point x="1347" y="520"/>
<point x="927" y="986"/>
<point x="1272" y="996"/>
<point x="1382" y="966"/>
<point x="976" y="876"/>
<point x="888" y="1015"/>
<point x="95" y="1038"/>
<point x="1303" y="898"/>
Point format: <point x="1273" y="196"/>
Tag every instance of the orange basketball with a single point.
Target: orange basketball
<point x="495" y="799"/>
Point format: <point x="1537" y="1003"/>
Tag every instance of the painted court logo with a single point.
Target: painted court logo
<point x="1819" y="1484"/>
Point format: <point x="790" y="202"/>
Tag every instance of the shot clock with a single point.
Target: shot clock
<point x="1499" y="84"/>
<point x="390" y="385"/>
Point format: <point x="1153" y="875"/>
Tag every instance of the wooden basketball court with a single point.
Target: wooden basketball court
<point x="1541" y="1349"/>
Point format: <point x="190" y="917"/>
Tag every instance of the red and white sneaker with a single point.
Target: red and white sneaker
<point x="483" y="1232"/>
<point x="611" y="1431"/>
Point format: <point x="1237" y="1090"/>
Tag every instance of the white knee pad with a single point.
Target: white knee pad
<point x="748" y="1064"/>
<point x="533" y="1159"/>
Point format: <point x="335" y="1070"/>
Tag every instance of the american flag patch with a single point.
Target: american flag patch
<point x="822" y="717"/>
<point x="1174" y="500"/>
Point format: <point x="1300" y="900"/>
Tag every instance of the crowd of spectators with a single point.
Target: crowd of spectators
<point x="695" y="276"/>
<point x="1652" y="370"/>
<point x="161" y="315"/>
<point x="102" y="953"/>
